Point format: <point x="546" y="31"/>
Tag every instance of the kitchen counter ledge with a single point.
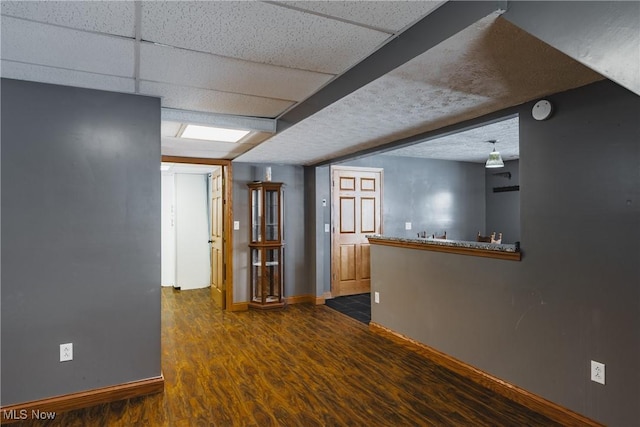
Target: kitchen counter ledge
<point x="461" y="247"/>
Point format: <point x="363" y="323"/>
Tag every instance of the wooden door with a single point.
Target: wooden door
<point x="356" y="195"/>
<point x="217" y="237"/>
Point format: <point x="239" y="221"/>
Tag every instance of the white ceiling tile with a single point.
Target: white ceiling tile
<point x="269" y="34"/>
<point x="391" y="16"/>
<point x="43" y="44"/>
<point x="111" y="17"/>
<point x="59" y="76"/>
<point x="212" y="101"/>
<point x="202" y="70"/>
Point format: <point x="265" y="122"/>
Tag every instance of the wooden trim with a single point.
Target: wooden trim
<point x="196" y="160"/>
<point x="300" y="299"/>
<point x="324" y="297"/>
<point x="228" y="233"/>
<point x="239" y="306"/>
<point x="460" y="250"/>
<point x="83" y="399"/>
<point x="560" y="414"/>
<point x="227" y="176"/>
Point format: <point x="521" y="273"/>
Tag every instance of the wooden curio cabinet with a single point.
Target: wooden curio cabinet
<point x="266" y="244"/>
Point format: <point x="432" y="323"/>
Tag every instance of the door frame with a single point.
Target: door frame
<point x="227" y="215"/>
<point x="335" y="209"/>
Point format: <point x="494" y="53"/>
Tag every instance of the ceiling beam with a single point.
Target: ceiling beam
<point x="447" y="20"/>
<point x="604" y="36"/>
<point x="254" y="124"/>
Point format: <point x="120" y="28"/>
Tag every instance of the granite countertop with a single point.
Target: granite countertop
<point x="451" y="243"/>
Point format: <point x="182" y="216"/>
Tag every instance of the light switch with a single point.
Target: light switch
<point x="236" y="225"/>
<point x="327" y="228"/>
<point x="407" y="226"/>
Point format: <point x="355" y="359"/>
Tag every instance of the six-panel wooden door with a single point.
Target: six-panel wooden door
<point x="356" y="209"/>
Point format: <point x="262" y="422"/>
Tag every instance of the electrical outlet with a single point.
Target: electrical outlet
<point x="407" y="226"/>
<point x="66" y="352"/>
<point x="597" y="372"/>
<point x="236" y="225"/>
<point x="376" y="297"/>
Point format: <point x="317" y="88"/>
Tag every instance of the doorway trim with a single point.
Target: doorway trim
<point x="227" y="220"/>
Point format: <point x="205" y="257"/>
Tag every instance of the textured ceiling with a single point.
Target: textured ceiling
<point x="487" y="67"/>
<point x="470" y="145"/>
<point x="262" y="59"/>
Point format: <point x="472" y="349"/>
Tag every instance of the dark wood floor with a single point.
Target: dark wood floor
<point x="303" y="366"/>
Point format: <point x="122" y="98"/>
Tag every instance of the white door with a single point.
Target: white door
<point x="193" y="267"/>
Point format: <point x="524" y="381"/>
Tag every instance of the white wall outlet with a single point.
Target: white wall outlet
<point x="376" y="297"/>
<point x="66" y="352"/>
<point x="327" y="228"/>
<point x="236" y="225"/>
<point x="407" y="226"/>
<point x="597" y="372"/>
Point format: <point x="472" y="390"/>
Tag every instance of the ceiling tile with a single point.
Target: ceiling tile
<point x="201" y="70"/>
<point x="43" y="44"/>
<point x="111" y="17"/>
<point x="391" y="16"/>
<point x="59" y="76"/>
<point x="270" y="34"/>
<point x="212" y="101"/>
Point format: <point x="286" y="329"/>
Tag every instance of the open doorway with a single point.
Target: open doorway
<point x="195" y="224"/>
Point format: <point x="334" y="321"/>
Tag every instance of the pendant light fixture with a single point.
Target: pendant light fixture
<point x="495" y="159"/>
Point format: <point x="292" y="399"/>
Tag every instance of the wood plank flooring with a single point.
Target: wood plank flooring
<point x="303" y="366"/>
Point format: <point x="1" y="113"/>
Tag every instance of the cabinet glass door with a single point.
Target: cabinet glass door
<point x="272" y="215"/>
<point x="256" y="275"/>
<point x="256" y="214"/>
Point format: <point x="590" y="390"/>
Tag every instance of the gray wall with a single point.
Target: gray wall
<point x="575" y="296"/>
<point x="295" y="274"/>
<point x="503" y="209"/>
<point x="80" y="239"/>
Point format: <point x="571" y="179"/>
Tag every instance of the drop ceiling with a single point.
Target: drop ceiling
<point x="214" y="61"/>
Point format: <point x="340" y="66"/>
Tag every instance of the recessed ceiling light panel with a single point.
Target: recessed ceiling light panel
<point x="208" y="133"/>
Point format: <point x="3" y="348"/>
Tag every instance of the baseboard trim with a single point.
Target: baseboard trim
<point x="322" y="299"/>
<point x="551" y="410"/>
<point x="69" y="402"/>
<point x="300" y="299"/>
<point x="239" y="306"/>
